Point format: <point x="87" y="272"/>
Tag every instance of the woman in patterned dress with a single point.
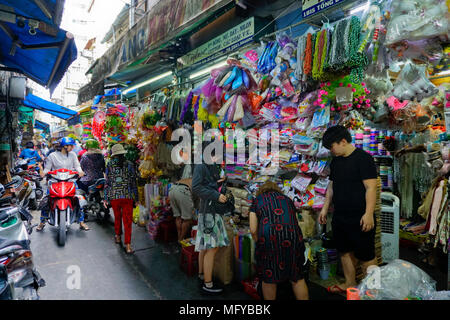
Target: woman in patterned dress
<point x="279" y="242"/>
<point x="121" y="192"/>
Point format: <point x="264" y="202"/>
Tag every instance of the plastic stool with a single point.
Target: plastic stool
<point x="189" y="260"/>
<point x="167" y="231"/>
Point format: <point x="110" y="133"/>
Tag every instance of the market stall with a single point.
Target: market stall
<point x="382" y="73"/>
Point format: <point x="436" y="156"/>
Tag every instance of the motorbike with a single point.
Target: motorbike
<point x="15" y="252"/>
<point x="94" y="206"/>
<point x="6" y="285"/>
<point x="63" y="203"/>
<point x="32" y="191"/>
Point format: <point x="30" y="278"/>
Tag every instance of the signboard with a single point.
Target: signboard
<point x="166" y="18"/>
<point x="228" y="41"/>
<point x="311" y="7"/>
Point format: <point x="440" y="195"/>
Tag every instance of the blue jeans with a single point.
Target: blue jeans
<point x="44" y="212"/>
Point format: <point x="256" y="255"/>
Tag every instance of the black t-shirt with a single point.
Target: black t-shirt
<point x="349" y="192"/>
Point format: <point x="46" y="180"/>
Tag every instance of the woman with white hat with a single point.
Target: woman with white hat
<point x="121" y="192"/>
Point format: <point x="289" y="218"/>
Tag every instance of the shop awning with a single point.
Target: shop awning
<point x="33" y="43"/>
<point x="41" y="125"/>
<point x="40" y="104"/>
<point x="166" y="21"/>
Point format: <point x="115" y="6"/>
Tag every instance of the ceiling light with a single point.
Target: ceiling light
<point x="207" y="70"/>
<point x="362" y="7"/>
<point x="161" y="76"/>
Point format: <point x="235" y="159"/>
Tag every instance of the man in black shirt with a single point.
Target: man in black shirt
<point x="352" y="190"/>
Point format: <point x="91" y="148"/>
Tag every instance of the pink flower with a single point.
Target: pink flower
<point x="341" y="84"/>
<point x="358" y="106"/>
<point x="368" y="101"/>
<point x="319" y="100"/>
<point x="368" y="91"/>
<point x="322" y="85"/>
<point x="332" y="109"/>
<point x="322" y="105"/>
<point x="349" y="85"/>
<point x="328" y="84"/>
<point x="353" y="90"/>
<point x="363" y="84"/>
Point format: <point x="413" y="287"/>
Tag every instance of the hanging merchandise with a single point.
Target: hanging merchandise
<point x="116" y="123"/>
<point x="98" y="124"/>
<point x="416" y="20"/>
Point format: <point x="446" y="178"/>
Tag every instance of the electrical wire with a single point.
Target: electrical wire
<point x="280" y="15"/>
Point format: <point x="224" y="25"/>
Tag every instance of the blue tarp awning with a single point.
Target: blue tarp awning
<point x="41" y="125"/>
<point x="40" y="104"/>
<point x="33" y="43"/>
<point x="47" y="11"/>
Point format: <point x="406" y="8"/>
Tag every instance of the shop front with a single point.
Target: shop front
<point x="375" y="69"/>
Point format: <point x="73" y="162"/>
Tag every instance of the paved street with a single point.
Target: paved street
<point x="108" y="273"/>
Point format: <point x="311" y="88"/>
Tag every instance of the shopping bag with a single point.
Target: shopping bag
<point x="136" y="215"/>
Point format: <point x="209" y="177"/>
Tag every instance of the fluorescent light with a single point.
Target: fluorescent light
<point x="443" y="73"/>
<point x="207" y="70"/>
<point x="166" y="74"/>
<point x="363" y="7"/>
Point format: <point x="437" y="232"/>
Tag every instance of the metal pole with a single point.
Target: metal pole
<point x="69" y="37"/>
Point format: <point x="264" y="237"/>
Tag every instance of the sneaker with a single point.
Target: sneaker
<point x="214" y="289"/>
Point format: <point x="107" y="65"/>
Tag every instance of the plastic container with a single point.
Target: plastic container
<point x="324" y="274"/>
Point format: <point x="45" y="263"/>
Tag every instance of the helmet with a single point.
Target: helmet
<point x="29" y="144"/>
<point x="92" y="144"/>
<point x="66" y="141"/>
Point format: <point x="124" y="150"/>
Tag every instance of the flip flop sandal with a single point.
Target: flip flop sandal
<point x="85" y="228"/>
<point x="222" y="82"/>
<point x="246" y="79"/>
<point x="234" y="75"/>
<point x="129" y="252"/>
<point x="40" y="228"/>
<point x="223" y="111"/>
<point x="336" y="289"/>
<point x="222" y="75"/>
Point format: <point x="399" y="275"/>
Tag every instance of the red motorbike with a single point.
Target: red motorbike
<point x="63" y="203"/>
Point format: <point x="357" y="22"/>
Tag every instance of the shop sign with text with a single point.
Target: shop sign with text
<point x="311" y="7"/>
<point x="227" y="42"/>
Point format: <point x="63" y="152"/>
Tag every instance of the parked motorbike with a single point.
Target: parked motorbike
<point x="63" y="203"/>
<point x="15" y="251"/>
<point x="6" y="285"/>
<point x="94" y="206"/>
<point x="32" y="192"/>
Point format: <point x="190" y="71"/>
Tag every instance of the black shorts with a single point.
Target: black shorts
<point x="348" y="237"/>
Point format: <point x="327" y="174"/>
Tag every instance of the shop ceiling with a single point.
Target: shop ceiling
<point x="32" y="42"/>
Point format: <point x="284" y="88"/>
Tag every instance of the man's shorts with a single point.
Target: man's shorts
<point x="181" y="201"/>
<point x="349" y="237"/>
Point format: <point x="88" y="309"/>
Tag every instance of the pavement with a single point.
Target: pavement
<point x="92" y="267"/>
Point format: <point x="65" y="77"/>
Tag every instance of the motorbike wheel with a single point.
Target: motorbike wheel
<point x="62" y="228"/>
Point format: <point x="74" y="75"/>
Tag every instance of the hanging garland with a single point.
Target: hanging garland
<point x="319" y="55"/>
<point x="308" y="56"/>
<point x="357" y="59"/>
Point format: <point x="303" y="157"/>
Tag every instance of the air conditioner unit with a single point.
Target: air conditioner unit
<point x="390" y="224"/>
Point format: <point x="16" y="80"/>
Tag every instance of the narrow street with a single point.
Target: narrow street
<point x="108" y="273"/>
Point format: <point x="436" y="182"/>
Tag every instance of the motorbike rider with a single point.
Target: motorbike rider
<point x="64" y="158"/>
<point x="30" y="153"/>
<point x="93" y="165"/>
